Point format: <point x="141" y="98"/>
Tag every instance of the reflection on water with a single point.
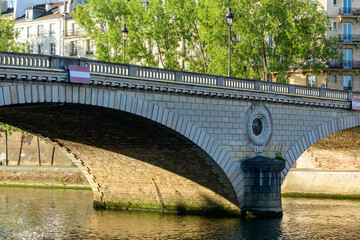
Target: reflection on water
<point x="27" y="213"/>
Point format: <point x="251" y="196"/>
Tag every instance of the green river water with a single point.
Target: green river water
<point x="31" y="213"/>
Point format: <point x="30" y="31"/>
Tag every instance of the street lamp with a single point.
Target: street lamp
<point x="124" y="35"/>
<point x="229" y="21"/>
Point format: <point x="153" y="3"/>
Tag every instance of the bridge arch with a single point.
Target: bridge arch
<point x="112" y="98"/>
<point x="314" y="135"/>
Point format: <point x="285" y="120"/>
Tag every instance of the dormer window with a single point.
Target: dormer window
<point x="62" y="9"/>
<point x="29" y="14"/>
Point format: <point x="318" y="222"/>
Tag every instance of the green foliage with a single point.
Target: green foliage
<point x="279" y="153"/>
<point x="285" y="36"/>
<point x="10" y="128"/>
<point x="267" y="35"/>
<point x="8" y="36"/>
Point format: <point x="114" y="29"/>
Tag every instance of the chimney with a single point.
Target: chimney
<point x="47" y="7"/>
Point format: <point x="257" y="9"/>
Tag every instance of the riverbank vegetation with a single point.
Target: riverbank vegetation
<point x="46" y="186"/>
<point x="323" y="195"/>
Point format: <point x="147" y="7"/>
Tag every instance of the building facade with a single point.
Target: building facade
<point x="344" y="17"/>
<point x="344" y="73"/>
<point x="49" y="29"/>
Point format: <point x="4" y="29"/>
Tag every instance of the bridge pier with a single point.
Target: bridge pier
<point x="262" y="186"/>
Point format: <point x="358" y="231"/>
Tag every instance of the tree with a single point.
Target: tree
<point x="282" y="37"/>
<point x="267" y="36"/>
<point x="154" y="33"/>
<point x="8" y="36"/>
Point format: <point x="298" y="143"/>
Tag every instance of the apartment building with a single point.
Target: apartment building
<point x="49" y="29"/>
<point x="344" y="73"/>
<point x="344" y="16"/>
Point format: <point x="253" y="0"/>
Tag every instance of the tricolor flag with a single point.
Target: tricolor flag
<point x="79" y="74"/>
<point x="356" y="103"/>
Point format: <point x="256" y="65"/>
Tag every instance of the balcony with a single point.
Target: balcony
<point x="336" y="64"/>
<point x="74" y="33"/>
<point x="349" y="11"/>
<point x="349" y="38"/>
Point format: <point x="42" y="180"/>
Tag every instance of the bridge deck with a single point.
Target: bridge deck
<point x="117" y="70"/>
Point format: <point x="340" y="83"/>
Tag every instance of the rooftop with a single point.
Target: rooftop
<point x="54" y="11"/>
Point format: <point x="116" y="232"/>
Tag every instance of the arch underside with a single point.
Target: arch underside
<point x="136" y="162"/>
<point x="318" y="135"/>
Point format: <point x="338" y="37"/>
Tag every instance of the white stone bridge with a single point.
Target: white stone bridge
<point x="170" y="140"/>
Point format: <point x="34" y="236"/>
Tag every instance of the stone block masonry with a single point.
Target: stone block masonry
<point x="262" y="185"/>
<point x="338" y="151"/>
<point x="139" y="164"/>
<point x="42" y="176"/>
<point x="147" y="141"/>
<point x="29" y="151"/>
<point x="322" y="182"/>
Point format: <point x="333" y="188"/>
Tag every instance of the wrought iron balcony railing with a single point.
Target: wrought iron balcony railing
<point x="349" y="37"/>
<point x="349" y="11"/>
<point x="336" y="64"/>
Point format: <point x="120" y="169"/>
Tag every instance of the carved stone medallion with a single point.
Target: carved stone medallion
<point x="258" y="127"/>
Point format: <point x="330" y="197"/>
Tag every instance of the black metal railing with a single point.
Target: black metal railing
<point x="349" y="11"/>
<point x="337" y="64"/>
<point x="349" y="37"/>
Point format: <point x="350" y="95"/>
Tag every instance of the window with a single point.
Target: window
<point x="347" y="32"/>
<point x="40" y="30"/>
<point x="186" y="48"/>
<point x="334" y="2"/>
<point x="52" y="48"/>
<point x="30" y="49"/>
<point x="28" y="14"/>
<point x="334" y="79"/>
<point x="52" y="29"/>
<point x="75" y="29"/>
<point x="62" y="9"/>
<point x="90" y="47"/>
<point x="73" y="51"/>
<point x="347" y="7"/>
<point x="311" y="81"/>
<point x="347" y="58"/>
<point x="41" y="49"/>
<point x="28" y="33"/>
<point x="334" y="26"/>
<point x="347" y="82"/>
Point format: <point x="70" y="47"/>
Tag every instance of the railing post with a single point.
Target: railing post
<point x="54" y="62"/>
<point x="257" y="85"/>
<point x="132" y="71"/>
<point x="219" y="81"/>
<point x="178" y="76"/>
<point x="291" y="89"/>
<point x="322" y="92"/>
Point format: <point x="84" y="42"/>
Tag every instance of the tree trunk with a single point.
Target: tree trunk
<point x="52" y="157"/>
<point x="22" y="140"/>
<point x="39" y="150"/>
<point x="6" y="148"/>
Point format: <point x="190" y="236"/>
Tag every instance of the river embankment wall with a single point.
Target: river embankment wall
<point x="42" y="176"/>
<point x="322" y="182"/>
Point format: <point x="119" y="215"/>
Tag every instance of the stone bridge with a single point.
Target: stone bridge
<point x="170" y="140"/>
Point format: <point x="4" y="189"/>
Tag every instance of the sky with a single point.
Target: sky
<point x="12" y="1"/>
